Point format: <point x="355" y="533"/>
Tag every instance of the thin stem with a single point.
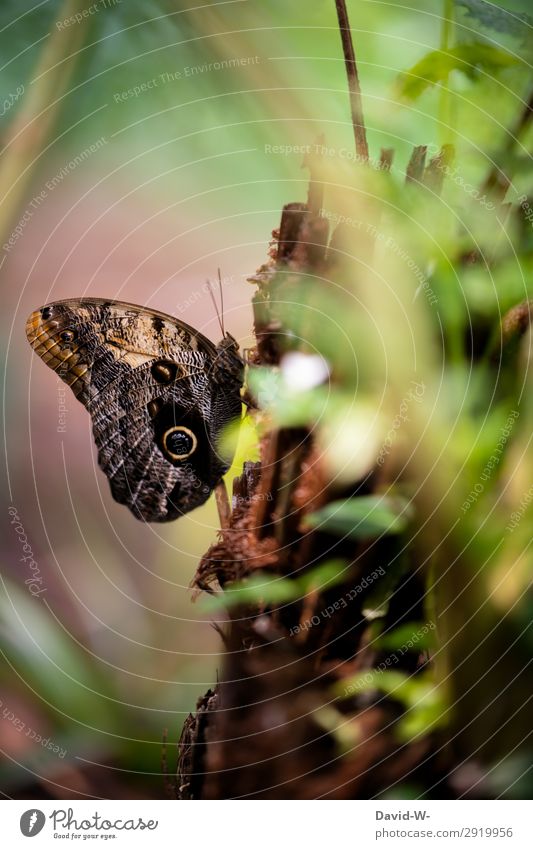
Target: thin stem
<point x="356" y="103"/>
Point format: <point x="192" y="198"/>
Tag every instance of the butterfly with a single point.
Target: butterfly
<point x="159" y="394"/>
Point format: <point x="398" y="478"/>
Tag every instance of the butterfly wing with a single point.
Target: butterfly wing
<point x="158" y="392"/>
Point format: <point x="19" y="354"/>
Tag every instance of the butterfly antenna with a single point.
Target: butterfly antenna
<point x="213" y="299"/>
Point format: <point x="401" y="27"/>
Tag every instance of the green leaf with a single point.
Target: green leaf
<point x="424" y="703"/>
<point x="405" y="790"/>
<point x="377" y="602"/>
<point x="359" y="518"/>
<point x="413" y="636"/>
<point x="511" y="777"/>
<point x="345" y="732"/>
<point x="436" y="66"/>
<point x="288" y="409"/>
<point x="326" y="575"/>
<point x="265" y="588"/>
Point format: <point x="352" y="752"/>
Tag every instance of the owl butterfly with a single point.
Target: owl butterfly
<point x="159" y="394"/>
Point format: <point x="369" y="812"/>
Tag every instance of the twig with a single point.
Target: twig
<point x="356" y="103"/>
<point x="385" y="158"/>
<point x="436" y="170"/>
